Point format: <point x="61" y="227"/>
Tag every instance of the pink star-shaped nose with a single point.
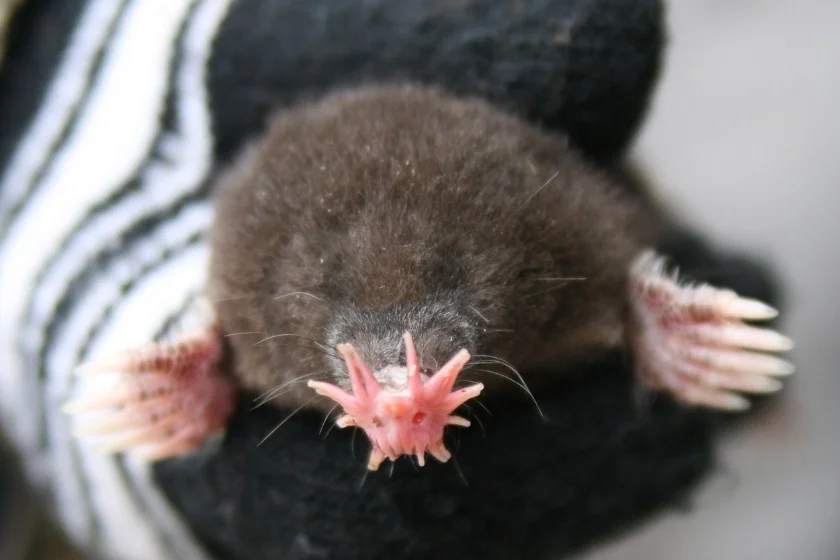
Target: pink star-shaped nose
<point x="407" y="421"/>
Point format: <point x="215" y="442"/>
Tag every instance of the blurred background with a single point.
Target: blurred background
<point x="743" y="139"/>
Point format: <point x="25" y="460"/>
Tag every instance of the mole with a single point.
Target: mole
<point x="395" y="251"/>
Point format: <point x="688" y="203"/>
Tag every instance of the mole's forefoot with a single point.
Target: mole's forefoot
<point x="167" y="400"/>
<point x="692" y="342"/>
<point x="410" y="421"/>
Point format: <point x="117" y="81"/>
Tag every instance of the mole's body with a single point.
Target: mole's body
<point x="383" y="211"/>
<point x="380" y="211"/>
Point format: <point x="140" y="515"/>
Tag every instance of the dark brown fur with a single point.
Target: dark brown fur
<point x="399" y="208"/>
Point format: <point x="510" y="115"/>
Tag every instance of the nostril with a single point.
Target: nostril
<point x="418" y="418"/>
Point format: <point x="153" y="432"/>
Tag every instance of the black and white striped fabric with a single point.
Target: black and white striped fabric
<point x="103" y="208"/>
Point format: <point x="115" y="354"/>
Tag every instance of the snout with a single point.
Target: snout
<point x="400" y="410"/>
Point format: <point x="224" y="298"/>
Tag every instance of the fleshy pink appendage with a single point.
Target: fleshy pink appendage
<point x="692" y="342"/>
<point x="409" y="421"/>
<point x="167" y="400"/>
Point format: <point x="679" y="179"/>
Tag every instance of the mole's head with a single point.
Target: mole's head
<point x="440" y="327"/>
<point x="399" y="308"/>
<point x="387" y="211"/>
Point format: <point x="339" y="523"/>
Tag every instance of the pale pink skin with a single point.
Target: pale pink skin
<point x="170" y="399"/>
<point x="689" y="341"/>
<point x="408" y="421"/>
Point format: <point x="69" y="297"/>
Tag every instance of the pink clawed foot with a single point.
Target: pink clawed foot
<point x="692" y="342"/>
<point x="407" y="421"/>
<point x="168" y="400"/>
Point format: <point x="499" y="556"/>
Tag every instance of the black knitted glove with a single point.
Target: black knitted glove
<point x="586" y="67"/>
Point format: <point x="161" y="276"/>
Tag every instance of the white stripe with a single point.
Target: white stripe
<point x="163" y="185"/>
<point x="114" y="133"/>
<point x="159" y="295"/>
<point x="75" y="181"/>
<point x="121" y="118"/>
<point x="67" y="88"/>
<point x="187" y="162"/>
<point x="65" y="91"/>
<point x="112" y="501"/>
<point x="164" y="292"/>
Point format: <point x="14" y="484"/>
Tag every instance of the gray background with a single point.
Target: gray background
<point x="743" y="140"/>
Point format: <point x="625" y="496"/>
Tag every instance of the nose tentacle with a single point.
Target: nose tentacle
<point x="401" y="420"/>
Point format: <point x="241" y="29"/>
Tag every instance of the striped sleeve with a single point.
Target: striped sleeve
<point x="103" y="214"/>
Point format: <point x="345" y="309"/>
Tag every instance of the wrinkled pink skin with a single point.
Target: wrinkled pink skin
<point x="170" y="400"/>
<point x="407" y="421"/>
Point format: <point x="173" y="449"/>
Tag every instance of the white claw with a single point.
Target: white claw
<point x="745" y="383"/>
<point x="693" y="342"/>
<point x="750" y="309"/>
<point x="99" y="427"/>
<point x="742" y="362"/>
<point x="760" y="384"/>
<point x="723" y="400"/>
<point x="744" y="336"/>
<point x="119" y="444"/>
<point x="730" y="401"/>
<point x="92" y="403"/>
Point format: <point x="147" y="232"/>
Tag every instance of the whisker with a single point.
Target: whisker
<point x="326" y="417"/>
<point x="476" y="418"/>
<point x="477" y="312"/>
<point x="313" y="296"/>
<point x="437" y="365"/>
<point x="273" y="392"/>
<point x="422" y="350"/>
<point x="548" y="291"/>
<point x="246" y="296"/>
<point x="503" y="376"/>
<point x="496" y="359"/>
<point x="508" y="365"/>
<point x="475" y="400"/>
<point x="362" y="481"/>
<point x="479" y="363"/>
<point x="562" y="278"/>
<point x="481" y="404"/>
<point x="459" y="471"/>
<point x="244" y="332"/>
<point x="277" y="427"/>
<point x="273" y="336"/>
<point x="333" y="425"/>
<point x="323" y="347"/>
<point x="234" y="298"/>
<point x="536" y="192"/>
